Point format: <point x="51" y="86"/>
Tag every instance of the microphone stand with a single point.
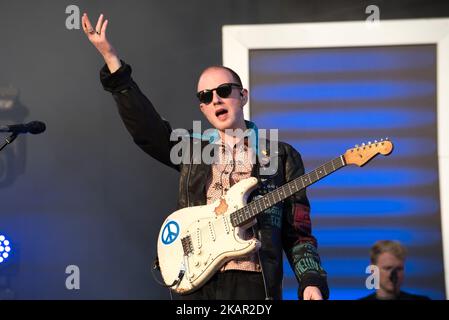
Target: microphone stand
<point x="9" y="140"/>
<point x="394" y="279"/>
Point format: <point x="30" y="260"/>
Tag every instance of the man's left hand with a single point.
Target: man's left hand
<point x="312" y="293"/>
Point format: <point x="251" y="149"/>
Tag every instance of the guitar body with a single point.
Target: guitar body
<point x="200" y="240"/>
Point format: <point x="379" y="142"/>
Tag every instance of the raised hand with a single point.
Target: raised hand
<point x="98" y="38"/>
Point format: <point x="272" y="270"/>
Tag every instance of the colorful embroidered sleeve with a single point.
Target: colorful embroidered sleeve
<point x="299" y="244"/>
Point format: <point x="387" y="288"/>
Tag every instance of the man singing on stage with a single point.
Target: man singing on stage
<point x="285" y="227"/>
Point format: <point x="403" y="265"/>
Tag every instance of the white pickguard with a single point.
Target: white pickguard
<point x="213" y="239"/>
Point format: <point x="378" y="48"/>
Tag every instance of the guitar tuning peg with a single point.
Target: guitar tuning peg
<point x="375" y="141"/>
<point x="381" y="140"/>
<point x="369" y="142"/>
<point x="386" y="139"/>
<point x="356" y="145"/>
<point x="363" y="144"/>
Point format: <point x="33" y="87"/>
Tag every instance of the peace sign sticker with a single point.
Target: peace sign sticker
<point x="170" y="232"/>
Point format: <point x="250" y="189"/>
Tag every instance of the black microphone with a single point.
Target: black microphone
<point x="394" y="276"/>
<point x="33" y="127"/>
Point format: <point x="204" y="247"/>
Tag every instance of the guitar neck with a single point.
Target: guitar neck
<point x="248" y="212"/>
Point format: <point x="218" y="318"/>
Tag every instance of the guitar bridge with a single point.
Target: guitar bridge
<point x="187" y="245"/>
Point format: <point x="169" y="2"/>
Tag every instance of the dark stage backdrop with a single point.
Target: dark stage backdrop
<point x="81" y="193"/>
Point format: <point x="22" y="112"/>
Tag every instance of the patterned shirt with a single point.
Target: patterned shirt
<point x="231" y="166"/>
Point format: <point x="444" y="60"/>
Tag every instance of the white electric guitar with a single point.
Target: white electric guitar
<point x="195" y="242"/>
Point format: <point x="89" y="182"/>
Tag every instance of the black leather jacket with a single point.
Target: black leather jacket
<point x="285" y="226"/>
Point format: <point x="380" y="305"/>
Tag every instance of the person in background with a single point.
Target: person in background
<point x="389" y="256"/>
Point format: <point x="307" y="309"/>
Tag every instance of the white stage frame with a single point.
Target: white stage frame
<point x="239" y="39"/>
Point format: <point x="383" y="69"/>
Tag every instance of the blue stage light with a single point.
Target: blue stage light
<point x="5" y="248"/>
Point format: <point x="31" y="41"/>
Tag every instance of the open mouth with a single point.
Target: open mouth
<point x="221" y="113"/>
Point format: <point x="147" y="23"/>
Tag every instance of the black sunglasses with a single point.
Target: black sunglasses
<point x="223" y="90"/>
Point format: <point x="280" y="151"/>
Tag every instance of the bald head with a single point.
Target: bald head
<point x="213" y="70"/>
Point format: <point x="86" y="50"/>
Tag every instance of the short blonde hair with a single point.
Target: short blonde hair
<point x="391" y="246"/>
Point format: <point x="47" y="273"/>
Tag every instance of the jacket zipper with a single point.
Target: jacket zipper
<point x="257" y="175"/>
<point x="187" y="186"/>
<point x="263" y="277"/>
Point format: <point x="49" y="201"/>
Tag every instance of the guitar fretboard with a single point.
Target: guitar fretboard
<point x="248" y="212"/>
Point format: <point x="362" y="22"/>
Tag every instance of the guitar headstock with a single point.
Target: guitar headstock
<point x="360" y="155"/>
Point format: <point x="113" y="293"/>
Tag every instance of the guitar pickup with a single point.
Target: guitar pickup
<point x="211" y="231"/>
<point x="226" y="224"/>
<point x="198" y="238"/>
